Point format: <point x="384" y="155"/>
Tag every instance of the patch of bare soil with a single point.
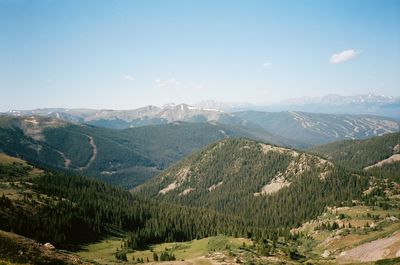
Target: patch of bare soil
<point x="275" y="185"/>
<point x="392" y="159"/>
<point x="94" y="153"/>
<point x="383" y="248"/>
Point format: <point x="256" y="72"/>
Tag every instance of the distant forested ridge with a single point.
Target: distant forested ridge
<point x="363" y="154"/>
<point x="121" y="157"/>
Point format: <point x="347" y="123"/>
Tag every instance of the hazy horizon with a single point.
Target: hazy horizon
<point x="283" y="102"/>
<point x="129" y="54"/>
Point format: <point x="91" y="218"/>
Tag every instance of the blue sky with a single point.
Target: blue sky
<point x="127" y="54"/>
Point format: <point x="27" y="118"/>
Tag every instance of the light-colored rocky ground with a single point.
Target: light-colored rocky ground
<point x="383" y="248"/>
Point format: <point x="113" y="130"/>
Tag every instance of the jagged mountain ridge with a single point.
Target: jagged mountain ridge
<point x="149" y="115"/>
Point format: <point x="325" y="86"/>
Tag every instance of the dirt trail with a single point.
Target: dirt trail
<point x="94" y="153"/>
<point x="67" y="161"/>
<point x="383" y="248"/>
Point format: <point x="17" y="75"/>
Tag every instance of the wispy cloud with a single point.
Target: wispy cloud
<point x="167" y="82"/>
<point x="267" y="65"/>
<point x="128" y="77"/>
<point x="343" y="56"/>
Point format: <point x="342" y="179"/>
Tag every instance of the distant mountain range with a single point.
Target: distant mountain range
<point x="295" y="128"/>
<point x="344" y="100"/>
<point x="121" y="119"/>
<point x="360" y="104"/>
<point x="211" y="110"/>
<point x="319" y="128"/>
<point x="334" y="104"/>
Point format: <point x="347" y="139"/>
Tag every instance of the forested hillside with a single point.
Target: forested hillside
<point x="70" y="210"/>
<point x="234" y="187"/>
<point x="122" y="157"/>
<point x="379" y="155"/>
<point x="273" y="186"/>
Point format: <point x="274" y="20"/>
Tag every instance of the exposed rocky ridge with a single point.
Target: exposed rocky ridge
<point x="189" y="173"/>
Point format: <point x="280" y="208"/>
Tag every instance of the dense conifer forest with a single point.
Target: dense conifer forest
<point x="70" y="210"/>
<point x="238" y="168"/>
<point x="126" y="157"/>
<point x="358" y="154"/>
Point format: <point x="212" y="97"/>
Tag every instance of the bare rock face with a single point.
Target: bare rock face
<point x="382" y="248"/>
<point x="326" y="254"/>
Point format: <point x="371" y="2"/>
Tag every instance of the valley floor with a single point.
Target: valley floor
<point x="361" y="235"/>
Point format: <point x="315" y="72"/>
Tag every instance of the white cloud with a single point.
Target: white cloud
<point x="267" y="65"/>
<point x="127" y="77"/>
<point x="343" y="56"/>
<point x="167" y="82"/>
